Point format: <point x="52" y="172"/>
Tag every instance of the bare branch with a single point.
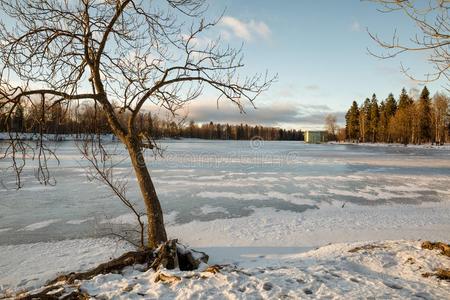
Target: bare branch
<point x="432" y="21"/>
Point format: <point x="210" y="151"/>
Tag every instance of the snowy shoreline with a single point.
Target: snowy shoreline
<point x="376" y="269"/>
<point x="395" y="145"/>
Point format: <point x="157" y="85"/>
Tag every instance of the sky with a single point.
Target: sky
<point x="319" y="50"/>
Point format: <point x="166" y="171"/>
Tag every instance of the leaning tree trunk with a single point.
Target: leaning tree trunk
<point x="156" y="232"/>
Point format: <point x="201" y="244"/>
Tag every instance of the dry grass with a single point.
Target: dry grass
<point x="367" y="247"/>
<point x="445" y="248"/>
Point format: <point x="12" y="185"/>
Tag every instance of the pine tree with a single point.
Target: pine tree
<point x="424" y="113"/>
<point x="391" y="105"/>
<point x="383" y="123"/>
<point x="401" y="127"/>
<point x="373" y="119"/>
<point x="404" y="101"/>
<point x="364" y="120"/>
<point x="352" y="122"/>
<point x="390" y="109"/>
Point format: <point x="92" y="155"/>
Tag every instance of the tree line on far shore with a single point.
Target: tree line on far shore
<point x="57" y="118"/>
<point x="406" y="120"/>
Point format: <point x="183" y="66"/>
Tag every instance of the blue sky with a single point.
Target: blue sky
<point x="319" y="51"/>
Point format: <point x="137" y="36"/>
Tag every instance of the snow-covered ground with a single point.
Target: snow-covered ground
<point x="25" y="266"/>
<point x="369" y="270"/>
<point x="238" y="202"/>
<point x="392" y="269"/>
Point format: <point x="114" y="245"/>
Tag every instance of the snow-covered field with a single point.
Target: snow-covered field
<point x="250" y="205"/>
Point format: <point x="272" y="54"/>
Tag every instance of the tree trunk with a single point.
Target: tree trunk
<point x="156" y="233"/>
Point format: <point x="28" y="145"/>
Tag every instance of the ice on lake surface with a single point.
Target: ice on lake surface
<point x="214" y="181"/>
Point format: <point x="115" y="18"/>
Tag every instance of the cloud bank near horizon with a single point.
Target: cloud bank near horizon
<point x="279" y="114"/>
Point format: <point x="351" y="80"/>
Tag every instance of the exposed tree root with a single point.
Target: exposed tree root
<point x="62" y="286"/>
<point x="115" y="265"/>
<point x="55" y="292"/>
<point x="445" y="248"/>
<point x="169" y="255"/>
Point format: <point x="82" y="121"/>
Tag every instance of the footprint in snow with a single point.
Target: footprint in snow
<point x="393" y="285"/>
<point x="307" y="291"/>
<point x="422" y="295"/>
<point x="267" y="286"/>
<point x="389" y="264"/>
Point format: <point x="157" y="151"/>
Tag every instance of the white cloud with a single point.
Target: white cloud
<point x="356" y="27"/>
<point x="245" y="30"/>
<point x="289" y="114"/>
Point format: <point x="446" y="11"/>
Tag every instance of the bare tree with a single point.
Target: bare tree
<point x="101" y="168"/>
<point x="433" y="37"/>
<point x="120" y="55"/>
<point x="331" y="125"/>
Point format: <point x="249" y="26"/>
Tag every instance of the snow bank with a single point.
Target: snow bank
<point x="391" y="269"/>
<point x="26" y="266"/>
<point x="385" y="270"/>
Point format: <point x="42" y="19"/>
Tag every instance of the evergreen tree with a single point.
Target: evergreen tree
<point x="219" y="133"/>
<point x="373" y="118"/>
<point x="383" y="123"/>
<point x="364" y="121"/>
<point x="391" y="106"/>
<point x="352" y="122"/>
<point x="387" y="111"/>
<point x="404" y="119"/>
<point x="229" y="132"/>
<point x="404" y="101"/>
<point x="424" y="114"/>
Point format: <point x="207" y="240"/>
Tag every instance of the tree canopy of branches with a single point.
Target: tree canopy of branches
<point x="433" y="37"/>
<point x="119" y="55"/>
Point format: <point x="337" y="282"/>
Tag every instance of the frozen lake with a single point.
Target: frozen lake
<point x="243" y="193"/>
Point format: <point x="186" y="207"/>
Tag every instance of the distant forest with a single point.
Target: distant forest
<point x="406" y="120"/>
<point x="61" y="119"/>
